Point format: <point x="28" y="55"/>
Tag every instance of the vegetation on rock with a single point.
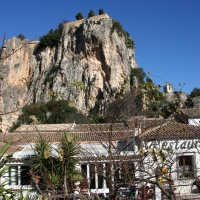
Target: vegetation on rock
<point x="79" y="16"/>
<point x="101" y="12"/>
<point x="145" y="98"/>
<point x="51" y="39"/>
<point x="91" y="13"/>
<point x="195" y="92"/>
<point x="50" y="75"/>
<point x="21" y="37"/>
<point x="53" y="112"/>
<point x="116" y="26"/>
<point x="139" y="74"/>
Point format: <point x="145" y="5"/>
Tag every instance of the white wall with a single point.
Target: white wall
<point x="180" y="147"/>
<point x="195" y="122"/>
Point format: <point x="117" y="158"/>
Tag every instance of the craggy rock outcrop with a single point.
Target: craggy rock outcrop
<point x="17" y="61"/>
<point x="89" y="68"/>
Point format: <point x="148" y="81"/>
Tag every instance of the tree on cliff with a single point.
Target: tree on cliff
<point x="101" y="12"/>
<point x="51" y="39"/>
<point x="91" y="13"/>
<point x="79" y="16"/>
<point x="145" y="98"/>
<point x="21" y="37"/>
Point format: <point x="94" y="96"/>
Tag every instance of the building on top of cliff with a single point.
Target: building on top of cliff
<point x="77" y="23"/>
<point x="168" y="88"/>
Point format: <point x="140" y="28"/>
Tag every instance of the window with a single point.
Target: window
<point x="101" y="175"/>
<point x="186" y="167"/>
<point x="18" y="175"/>
<point x="100" y="172"/>
<point x="94" y="173"/>
<point x="84" y="170"/>
<point x="126" y="145"/>
<point x="92" y="176"/>
<point x="25" y="175"/>
<point x="13" y="175"/>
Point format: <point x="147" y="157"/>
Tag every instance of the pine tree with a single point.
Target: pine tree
<point x="91" y="13"/>
<point x="79" y="16"/>
<point x="101" y="12"/>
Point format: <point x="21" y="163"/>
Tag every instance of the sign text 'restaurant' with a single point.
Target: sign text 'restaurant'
<point x="173" y="144"/>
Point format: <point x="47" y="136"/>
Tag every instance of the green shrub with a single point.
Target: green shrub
<point x="51" y="39"/>
<point x="116" y="26"/>
<point x="139" y="73"/>
<point x="53" y="112"/>
<point x="195" y="92"/>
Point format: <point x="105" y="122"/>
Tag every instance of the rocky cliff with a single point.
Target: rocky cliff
<point x="89" y="68"/>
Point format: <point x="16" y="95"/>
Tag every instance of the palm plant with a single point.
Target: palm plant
<point x="54" y="168"/>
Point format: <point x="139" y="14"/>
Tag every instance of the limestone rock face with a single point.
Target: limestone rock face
<point x="89" y="68"/>
<point x="17" y="61"/>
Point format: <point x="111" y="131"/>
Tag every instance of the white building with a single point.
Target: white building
<point x="127" y="140"/>
<point x="189" y="116"/>
<point x="92" y="137"/>
<point x="184" y="158"/>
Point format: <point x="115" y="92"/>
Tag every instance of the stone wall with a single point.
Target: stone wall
<point x="79" y="22"/>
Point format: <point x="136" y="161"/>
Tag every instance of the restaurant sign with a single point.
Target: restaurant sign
<point x="173" y="144"/>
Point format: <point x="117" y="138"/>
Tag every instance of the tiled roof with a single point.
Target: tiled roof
<point x="82" y="132"/>
<point x="172" y="130"/>
<point x="71" y="127"/>
<point x="145" y="123"/>
<point x="12" y="149"/>
<point x="191" y="112"/>
<point x="148" y="124"/>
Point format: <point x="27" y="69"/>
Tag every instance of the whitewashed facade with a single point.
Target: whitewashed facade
<point x="183" y="139"/>
<point x="18" y="174"/>
<point x="184" y="142"/>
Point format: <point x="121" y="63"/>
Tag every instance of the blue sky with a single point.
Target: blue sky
<point x="166" y="32"/>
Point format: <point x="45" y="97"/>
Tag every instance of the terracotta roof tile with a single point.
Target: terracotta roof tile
<point x="12" y="149"/>
<point x="71" y="127"/>
<point x="191" y="112"/>
<point x="32" y="137"/>
<point x="172" y="130"/>
<point x="82" y="132"/>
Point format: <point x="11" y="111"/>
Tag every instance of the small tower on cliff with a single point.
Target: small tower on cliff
<point x="167" y="88"/>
